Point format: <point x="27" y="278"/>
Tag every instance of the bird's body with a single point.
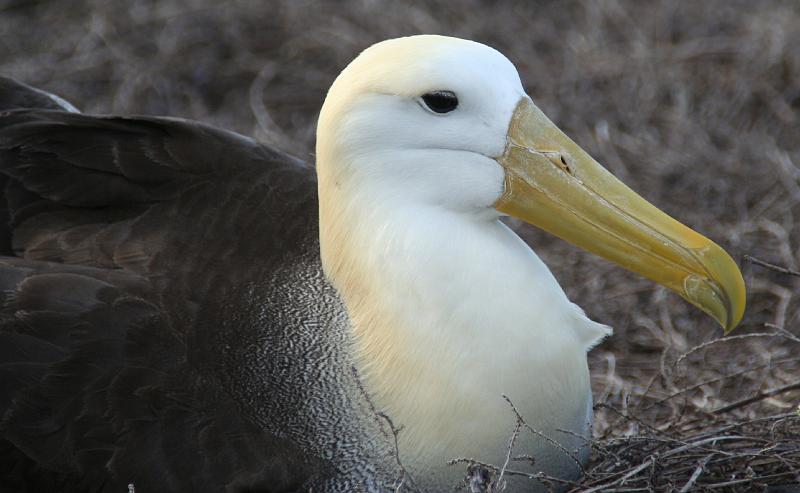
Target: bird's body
<point x="187" y="309"/>
<point x="137" y="324"/>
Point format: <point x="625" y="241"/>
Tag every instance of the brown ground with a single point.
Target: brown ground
<point x="694" y="104"/>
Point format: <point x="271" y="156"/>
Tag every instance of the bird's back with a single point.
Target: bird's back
<point x="165" y="320"/>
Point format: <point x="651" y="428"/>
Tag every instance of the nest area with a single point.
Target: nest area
<point x="693" y="104"/>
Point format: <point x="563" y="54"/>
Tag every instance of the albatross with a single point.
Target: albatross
<point x="186" y="309"/>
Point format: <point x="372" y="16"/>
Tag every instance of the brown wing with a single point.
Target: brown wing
<point x="130" y="245"/>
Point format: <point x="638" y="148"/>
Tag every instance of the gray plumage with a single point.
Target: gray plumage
<point x="165" y="320"/>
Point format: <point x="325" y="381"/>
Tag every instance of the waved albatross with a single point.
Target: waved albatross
<point x="185" y="309"/>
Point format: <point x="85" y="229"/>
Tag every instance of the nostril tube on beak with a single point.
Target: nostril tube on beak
<point x="559" y="159"/>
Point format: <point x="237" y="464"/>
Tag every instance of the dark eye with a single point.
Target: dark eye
<point x="440" y="101"/>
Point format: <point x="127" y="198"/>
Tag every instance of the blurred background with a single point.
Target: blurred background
<point x="696" y="105"/>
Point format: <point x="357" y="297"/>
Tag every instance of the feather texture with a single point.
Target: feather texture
<point x="151" y="256"/>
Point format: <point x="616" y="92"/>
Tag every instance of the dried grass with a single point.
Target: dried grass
<point x="693" y="104"/>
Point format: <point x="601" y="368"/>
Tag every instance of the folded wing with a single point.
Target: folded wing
<point x="133" y="249"/>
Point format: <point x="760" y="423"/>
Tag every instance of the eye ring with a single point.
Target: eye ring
<point x="440" y="102"/>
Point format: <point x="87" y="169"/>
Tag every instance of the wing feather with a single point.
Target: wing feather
<point x="119" y="230"/>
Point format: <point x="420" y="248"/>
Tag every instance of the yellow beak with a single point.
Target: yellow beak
<point x="553" y="184"/>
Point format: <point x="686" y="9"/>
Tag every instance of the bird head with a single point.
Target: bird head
<point x="445" y="122"/>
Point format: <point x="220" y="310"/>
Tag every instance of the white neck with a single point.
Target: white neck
<point x="449" y="312"/>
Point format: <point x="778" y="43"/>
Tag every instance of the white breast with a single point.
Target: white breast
<point x="450" y="313"/>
